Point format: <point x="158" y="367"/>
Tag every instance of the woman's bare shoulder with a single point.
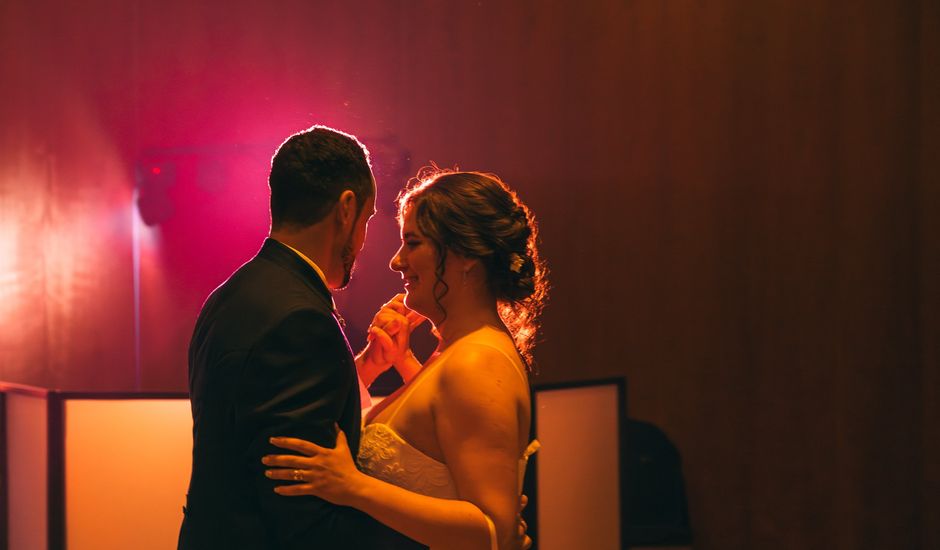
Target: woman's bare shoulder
<point x="476" y="367"/>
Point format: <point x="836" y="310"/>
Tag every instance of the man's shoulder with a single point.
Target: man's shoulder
<point x="267" y="285"/>
<point x="256" y="298"/>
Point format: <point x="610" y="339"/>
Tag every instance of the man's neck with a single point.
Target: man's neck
<point x="312" y="244"/>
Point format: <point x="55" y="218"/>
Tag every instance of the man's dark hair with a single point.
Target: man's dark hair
<point x="311" y="169"/>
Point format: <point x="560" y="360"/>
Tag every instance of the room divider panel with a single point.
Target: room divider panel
<point x="108" y="470"/>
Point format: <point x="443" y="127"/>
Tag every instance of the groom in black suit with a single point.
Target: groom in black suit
<point x="268" y="357"/>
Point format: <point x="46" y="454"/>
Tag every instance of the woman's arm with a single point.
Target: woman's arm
<point x="436" y="522"/>
<point x="476" y="414"/>
<point x="408" y="366"/>
<point x="331" y="475"/>
<point x="476" y="411"/>
<point x="477" y="418"/>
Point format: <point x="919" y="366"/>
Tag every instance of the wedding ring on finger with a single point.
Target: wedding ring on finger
<point x="298" y="475"/>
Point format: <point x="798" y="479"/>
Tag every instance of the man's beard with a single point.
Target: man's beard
<point x="349" y="261"/>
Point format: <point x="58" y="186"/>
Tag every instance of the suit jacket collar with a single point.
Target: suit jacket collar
<point x="283" y="256"/>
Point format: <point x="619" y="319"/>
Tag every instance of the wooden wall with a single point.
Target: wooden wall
<point x="738" y="200"/>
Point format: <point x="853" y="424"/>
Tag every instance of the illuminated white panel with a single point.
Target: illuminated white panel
<point x="578" y="468"/>
<point x="127" y="468"/>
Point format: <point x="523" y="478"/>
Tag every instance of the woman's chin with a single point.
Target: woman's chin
<point x="412" y="303"/>
<point x="409" y="300"/>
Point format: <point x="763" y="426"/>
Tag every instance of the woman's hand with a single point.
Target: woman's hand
<point x="522" y="536"/>
<point x="392" y="327"/>
<point x="327" y="473"/>
<point x="389" y="340"/>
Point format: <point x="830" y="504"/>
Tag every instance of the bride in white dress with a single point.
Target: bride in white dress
<point x="442" y="459"/>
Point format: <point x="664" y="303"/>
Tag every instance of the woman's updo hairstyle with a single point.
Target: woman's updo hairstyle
<point x="476" y="215"/>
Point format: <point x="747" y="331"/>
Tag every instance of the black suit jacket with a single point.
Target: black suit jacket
<point x="268" y="358"/>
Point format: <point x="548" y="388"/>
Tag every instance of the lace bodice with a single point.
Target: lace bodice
<point x="383" y="454"/>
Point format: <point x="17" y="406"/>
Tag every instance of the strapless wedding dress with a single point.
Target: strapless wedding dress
<point x="385" y="455"/>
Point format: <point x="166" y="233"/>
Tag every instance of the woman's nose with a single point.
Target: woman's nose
<point x="396" y="264"/>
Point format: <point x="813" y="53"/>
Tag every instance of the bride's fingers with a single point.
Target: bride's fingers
<point x="397" y="299"/>
<point x="414" y="319"/>
<point x="398" y="304"/>
<point x="401" y="340"/>
<point x="295" y="490"/>
<point x="374" y="350"/>
<point x="286" y="461"/>
<point x="383" y="339"/>
<point x="288" y="474"/>
<point x="298" y="445"/>
<point x="341" y="443"/>
<point x="398" y="307"/>
<point x="381" y="318"/>
<point x="389" y="320"/>
<point x="393" y="321"/>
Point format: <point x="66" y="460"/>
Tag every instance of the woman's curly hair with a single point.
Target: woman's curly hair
<point x="476" y="215"/>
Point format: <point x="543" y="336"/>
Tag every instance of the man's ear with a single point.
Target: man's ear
<point x="346" y="207"/>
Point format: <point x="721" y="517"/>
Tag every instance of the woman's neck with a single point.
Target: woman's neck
<point x="462" y="321"/>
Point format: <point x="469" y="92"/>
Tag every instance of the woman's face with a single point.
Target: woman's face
<point x="416" y="260"/>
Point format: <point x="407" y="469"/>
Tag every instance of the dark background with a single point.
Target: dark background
<point x="738" y="200"/>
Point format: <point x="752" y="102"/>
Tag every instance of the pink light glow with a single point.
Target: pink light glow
<point x="64" y="257"/>
<point x="10" y="272"/>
